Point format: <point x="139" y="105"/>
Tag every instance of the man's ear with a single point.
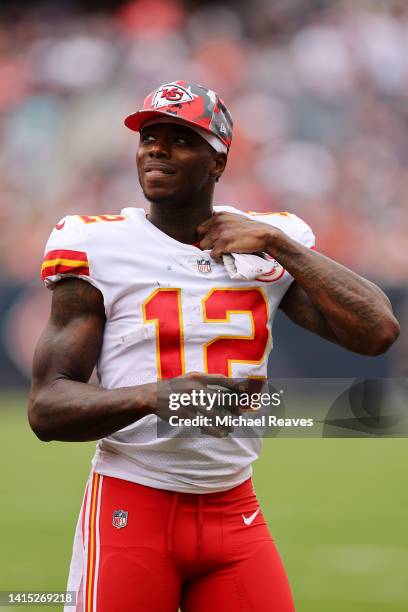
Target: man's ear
<point x="220" y="160"/>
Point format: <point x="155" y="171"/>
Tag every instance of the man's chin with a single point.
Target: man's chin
<point x="160" y="196"/>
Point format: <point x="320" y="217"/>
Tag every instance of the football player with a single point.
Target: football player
<point x="169" y="522"/>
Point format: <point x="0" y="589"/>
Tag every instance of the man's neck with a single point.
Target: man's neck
<point x="179" y="222"/>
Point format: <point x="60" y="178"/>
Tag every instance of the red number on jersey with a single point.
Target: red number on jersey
<point x="221" y="352"/>
<point x="163" y="308"/>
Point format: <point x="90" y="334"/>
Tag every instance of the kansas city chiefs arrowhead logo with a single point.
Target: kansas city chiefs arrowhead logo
<point x="171" y="94"/>
<point x="275" y="274"/>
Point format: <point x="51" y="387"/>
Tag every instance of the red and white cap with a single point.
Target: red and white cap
<point x="194" y="105"/>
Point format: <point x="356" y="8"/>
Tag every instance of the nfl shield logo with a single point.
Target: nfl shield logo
<point x="204" y="265"/>
<point x="119" y="519"/>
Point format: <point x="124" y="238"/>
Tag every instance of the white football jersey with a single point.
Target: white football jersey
<point x="171" y="309"/>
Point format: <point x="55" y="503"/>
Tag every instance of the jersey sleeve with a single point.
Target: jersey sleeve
<point x="289" y="223"/>
<point x="303" y="233"/>
<point x="66" y="254"/>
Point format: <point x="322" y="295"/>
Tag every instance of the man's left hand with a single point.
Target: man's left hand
<point x="233" y="233"/>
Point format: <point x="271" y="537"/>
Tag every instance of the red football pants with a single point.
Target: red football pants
<point x="149" y="550"/>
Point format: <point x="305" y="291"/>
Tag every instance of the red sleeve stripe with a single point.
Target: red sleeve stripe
<point x="61" y="269"/>
<point x="64" y="262"/>
<point x="66" y="254"/>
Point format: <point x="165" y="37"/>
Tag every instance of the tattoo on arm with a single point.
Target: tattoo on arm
<point x="75" y="298"/>
<point x="343" y="306"/>
<point x="71" y="342"/>
<point x="298" y="306"/>
<point x="62" y="406"/>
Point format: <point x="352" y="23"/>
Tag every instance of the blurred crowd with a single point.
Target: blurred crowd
<point x="317" y="91"/>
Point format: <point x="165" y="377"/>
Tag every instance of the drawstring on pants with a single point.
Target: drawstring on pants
<point x="170" y="524"/>
<point x="172" y="518"/>
<point x="200" y="523"/>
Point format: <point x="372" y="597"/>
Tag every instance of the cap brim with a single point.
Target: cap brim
<point x="136" y="120"/>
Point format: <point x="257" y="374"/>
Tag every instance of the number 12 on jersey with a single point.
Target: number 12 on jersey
<point x="163" y="308"/>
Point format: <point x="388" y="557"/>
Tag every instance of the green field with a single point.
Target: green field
<point x="338" y="510"/>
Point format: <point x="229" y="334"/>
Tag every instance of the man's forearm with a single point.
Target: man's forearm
<point x="356" y="310"/>
<point x="72" y="411"/>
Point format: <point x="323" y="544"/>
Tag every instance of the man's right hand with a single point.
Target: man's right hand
<point x="208" y="398"/>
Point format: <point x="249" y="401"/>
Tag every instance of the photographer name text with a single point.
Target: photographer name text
<point x="239" y="421"/>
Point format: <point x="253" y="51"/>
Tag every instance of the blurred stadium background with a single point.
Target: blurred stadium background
<point x="318" y="93"/>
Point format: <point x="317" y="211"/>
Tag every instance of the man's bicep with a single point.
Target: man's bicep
<point x="298" y="306"/>
<point x="71" y="342"/>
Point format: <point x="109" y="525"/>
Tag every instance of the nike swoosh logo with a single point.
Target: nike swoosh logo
<point x="59" y="226"/>
<point x="250" y="519"/>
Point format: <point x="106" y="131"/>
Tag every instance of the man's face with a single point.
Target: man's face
<point x="174" y="163"/>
